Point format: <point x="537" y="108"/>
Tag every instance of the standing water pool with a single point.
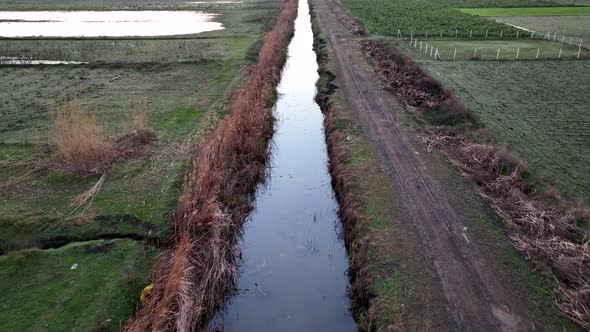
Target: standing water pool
<point x="293" y="276"/>
<point x="104" y="23"/>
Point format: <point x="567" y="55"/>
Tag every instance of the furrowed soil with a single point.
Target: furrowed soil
<point x="470" y="277"/>
<point x="543" y="116"/>
<point x="187" y="81"/>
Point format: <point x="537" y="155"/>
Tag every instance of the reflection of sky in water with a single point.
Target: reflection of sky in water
<point x="293" y="276"/>
<point x="105" y="23"/>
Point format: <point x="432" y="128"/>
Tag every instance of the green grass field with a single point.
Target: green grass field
<point x="575" y="27"/>
<point x="187" y="82"/>
<point x="40" y="291"/>
<point x="538" y="109"/>
<point x="528" y="11"/>
<point x="488" y="49"/>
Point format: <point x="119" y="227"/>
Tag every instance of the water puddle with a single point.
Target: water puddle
<point x="104" y="23"/>
<point x="293" y="274"/>
<point x="24" y="61"/>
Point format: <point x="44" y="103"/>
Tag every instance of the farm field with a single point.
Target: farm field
<point x="543" y="116"/>
<point x="571" y="26"/>
<point x="510" y="49"/>
<point x="185" y="82"/>
<point x="528" y="11"/>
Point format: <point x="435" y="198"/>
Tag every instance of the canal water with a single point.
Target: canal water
<point x="293" y="276"/>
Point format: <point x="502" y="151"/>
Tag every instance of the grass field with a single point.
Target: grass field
<point x="528" y="11"/>
<point x="537" y="108"/>
<point x="41" y="291"/>
<point x="571" y="26"/>
<point x="186" y="81"/>
<point x="488" y="49"/>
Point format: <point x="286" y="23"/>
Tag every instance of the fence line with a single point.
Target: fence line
<point x="456" y="33"/>
<point x="434" y="52"/>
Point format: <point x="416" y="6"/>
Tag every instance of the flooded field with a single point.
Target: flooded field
<point x="104" y="23"/>
<point x="293" y="276"/>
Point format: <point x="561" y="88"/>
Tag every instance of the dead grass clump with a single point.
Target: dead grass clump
<point x="195" y="275"/>
<point x="138" y="119"/>
<point x="549" y="236"/>
<point x="80" y="141"/>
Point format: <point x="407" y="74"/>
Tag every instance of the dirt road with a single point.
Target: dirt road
<point x="476" y="297"/>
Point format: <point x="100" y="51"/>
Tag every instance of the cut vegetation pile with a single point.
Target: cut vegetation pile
<point x="196" y="274"/>
<point x="404" y="78"/>
<point x="546" y="234"/>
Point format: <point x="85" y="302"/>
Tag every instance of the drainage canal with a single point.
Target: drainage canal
<point x="294" y="264"/>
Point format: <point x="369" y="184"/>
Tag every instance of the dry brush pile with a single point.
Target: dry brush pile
<point x="546" y="233"/>
<point x="194" y="276"/>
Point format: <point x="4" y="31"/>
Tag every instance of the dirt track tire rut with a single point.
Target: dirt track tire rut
<point x="476" y="299"/>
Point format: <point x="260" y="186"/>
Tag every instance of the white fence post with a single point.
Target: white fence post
<point x="486" y="34"/>
<point x="440" y="33"/>
<point x="475" y="54"/>
<point x="532" y="34"/>
<point x="579" y="51"/>
<point x="456" y="33"/>
<point x="426" y="35"/>
<point x="554" y="36"/>
<point x="538" y="51"/>
<point x="517" y="52"/>
<point x="431" y="49"/>
<point x="420" y="45"/>
<point x="470" y="33"/>
<point x="559" y="56"/>
<point x="517" y="32"/>
<point x="501" y="33"/>
<point x="498" y="54"/>
<point x="455" y="54"/>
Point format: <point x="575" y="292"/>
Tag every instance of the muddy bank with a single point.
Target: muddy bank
<point x="544" y="232"/>
<point x="195" y="275"/>
<point x="350" y="212"/>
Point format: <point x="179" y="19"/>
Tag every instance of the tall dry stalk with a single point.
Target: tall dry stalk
<point x="80" y="140"/>
<point x="138" y="119"/>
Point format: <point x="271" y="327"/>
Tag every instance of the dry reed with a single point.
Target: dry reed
<point x="196" y="274"/>
<point x="80" y="141"/>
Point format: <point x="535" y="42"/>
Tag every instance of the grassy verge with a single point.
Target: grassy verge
<point x="41" y="291"/>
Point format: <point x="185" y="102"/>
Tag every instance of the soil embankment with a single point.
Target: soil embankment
<point x="195" y="275"/>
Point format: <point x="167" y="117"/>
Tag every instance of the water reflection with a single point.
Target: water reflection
<point x="104" y="23"/>
<point x="293" y="275"/>
<point x="25" y="61"/>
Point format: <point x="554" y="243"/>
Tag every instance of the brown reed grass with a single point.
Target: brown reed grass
<point x="79" y="139"/>
<point x="194" y="276"/>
